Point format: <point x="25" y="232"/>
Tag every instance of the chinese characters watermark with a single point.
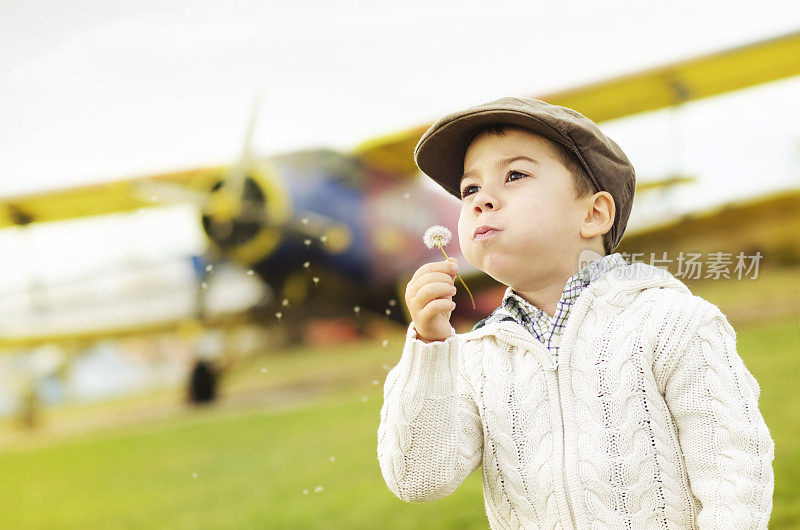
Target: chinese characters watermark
<point x="690" y="265"/>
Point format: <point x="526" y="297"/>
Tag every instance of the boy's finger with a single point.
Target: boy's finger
<point x="454" y="262"/>
<point x="432" y="291"/>
<point x="437" y="305"/>
<point x="436" y="266"/>
<point x="432" y="277"/>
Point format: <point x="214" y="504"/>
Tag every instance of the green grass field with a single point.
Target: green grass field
<point x="249" y="467"/>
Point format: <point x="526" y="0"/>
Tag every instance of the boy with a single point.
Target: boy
<point x="603" y="395"/>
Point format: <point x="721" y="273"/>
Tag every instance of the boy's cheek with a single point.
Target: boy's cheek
<point x="466" y="250"/>
<point x="462" y="229"/>
<point x="464" y="241"/>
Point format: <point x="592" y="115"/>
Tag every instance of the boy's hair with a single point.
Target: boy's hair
<point x="580" y="179"/>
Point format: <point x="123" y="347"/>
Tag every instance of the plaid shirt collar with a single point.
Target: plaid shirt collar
<point x="545" y="328"/>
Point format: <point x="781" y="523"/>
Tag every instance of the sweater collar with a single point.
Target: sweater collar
<point x="533" y="318"/>
<point x="614" y="287"/>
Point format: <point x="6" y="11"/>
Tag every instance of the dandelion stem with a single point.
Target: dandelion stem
<point x="460" y="278"/>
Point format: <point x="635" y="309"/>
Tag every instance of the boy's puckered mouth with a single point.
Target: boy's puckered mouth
<point x="483" y="229"/>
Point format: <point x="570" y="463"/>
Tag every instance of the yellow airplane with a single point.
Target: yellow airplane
<point x="330" y="230"/>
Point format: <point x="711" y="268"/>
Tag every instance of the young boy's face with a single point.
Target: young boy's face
<point x="531" y="203"/>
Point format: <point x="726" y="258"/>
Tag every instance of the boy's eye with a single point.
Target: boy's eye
<point x="512" y="172"/>
<point x="466" y="191"/>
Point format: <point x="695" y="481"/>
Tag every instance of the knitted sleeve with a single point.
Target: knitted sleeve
<point x="727" y="447"/>
<point x="430" y="436"/>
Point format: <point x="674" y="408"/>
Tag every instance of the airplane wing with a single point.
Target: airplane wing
<point x="80" y="339"/>
<point x="745" y="224"/>
<point x="647" y="90"/>
<point x="97" y="199"/>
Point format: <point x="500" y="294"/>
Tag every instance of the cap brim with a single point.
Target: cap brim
<point x="440" y="152"/>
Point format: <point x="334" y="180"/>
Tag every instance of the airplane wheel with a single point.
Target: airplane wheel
<point x="202" y="382"/>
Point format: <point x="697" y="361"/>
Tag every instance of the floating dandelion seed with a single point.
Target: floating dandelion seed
<point x="333" y="459"/>
<point x="307" y="264"/>
<point x="209" y="267"/>
<point x="388" y="312"/>
<point x="315" y="280"/>
<point x="204" y="285"/>
<point x="285" y="302"/>
<point x="250" y="273"/>
<point x="263" y="370"/>
<point x="323" y="238"/>
<point x="307" y="242"/>
<point x="385" y="342"/>
<point x="318" y="489"/>
<point x="440" y="236"/>
<point x="279" y="315"/>
<point x="392" y="302"/>
<point x="357" y="309"/>
<point x="305" y="492"/>
<point x="374" y="381"/>
<point x="194" y="475"/>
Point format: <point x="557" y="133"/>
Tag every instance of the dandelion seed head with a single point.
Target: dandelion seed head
<point x="307" y="264"/>
<point x="437" y="235"/>
<point x="279" y="315"/>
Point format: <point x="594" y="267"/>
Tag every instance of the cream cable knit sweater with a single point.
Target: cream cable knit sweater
<point x="651" y="419"/>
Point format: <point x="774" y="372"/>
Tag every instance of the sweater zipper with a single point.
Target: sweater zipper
<point x="528" y="344"/>
<point x="564" y="450"/>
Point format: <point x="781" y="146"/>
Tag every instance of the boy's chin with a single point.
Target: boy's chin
<point x="500" y="275"/>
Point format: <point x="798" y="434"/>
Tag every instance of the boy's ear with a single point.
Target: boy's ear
<point x="600" y="212"/>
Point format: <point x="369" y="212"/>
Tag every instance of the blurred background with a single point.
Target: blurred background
<point x="209" y="212"/>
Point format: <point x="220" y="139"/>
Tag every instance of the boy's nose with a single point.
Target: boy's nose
<point x="484" y="203"/>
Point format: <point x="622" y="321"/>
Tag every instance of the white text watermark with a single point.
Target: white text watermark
<point x="696" y="265"/>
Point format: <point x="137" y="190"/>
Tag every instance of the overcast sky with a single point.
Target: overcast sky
<point x="99" y="90"/>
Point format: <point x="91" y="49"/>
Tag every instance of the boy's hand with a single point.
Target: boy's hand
<point x="429" y="297"/>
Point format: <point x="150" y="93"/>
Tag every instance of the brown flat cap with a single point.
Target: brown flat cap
<point x="440" y="151"/>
